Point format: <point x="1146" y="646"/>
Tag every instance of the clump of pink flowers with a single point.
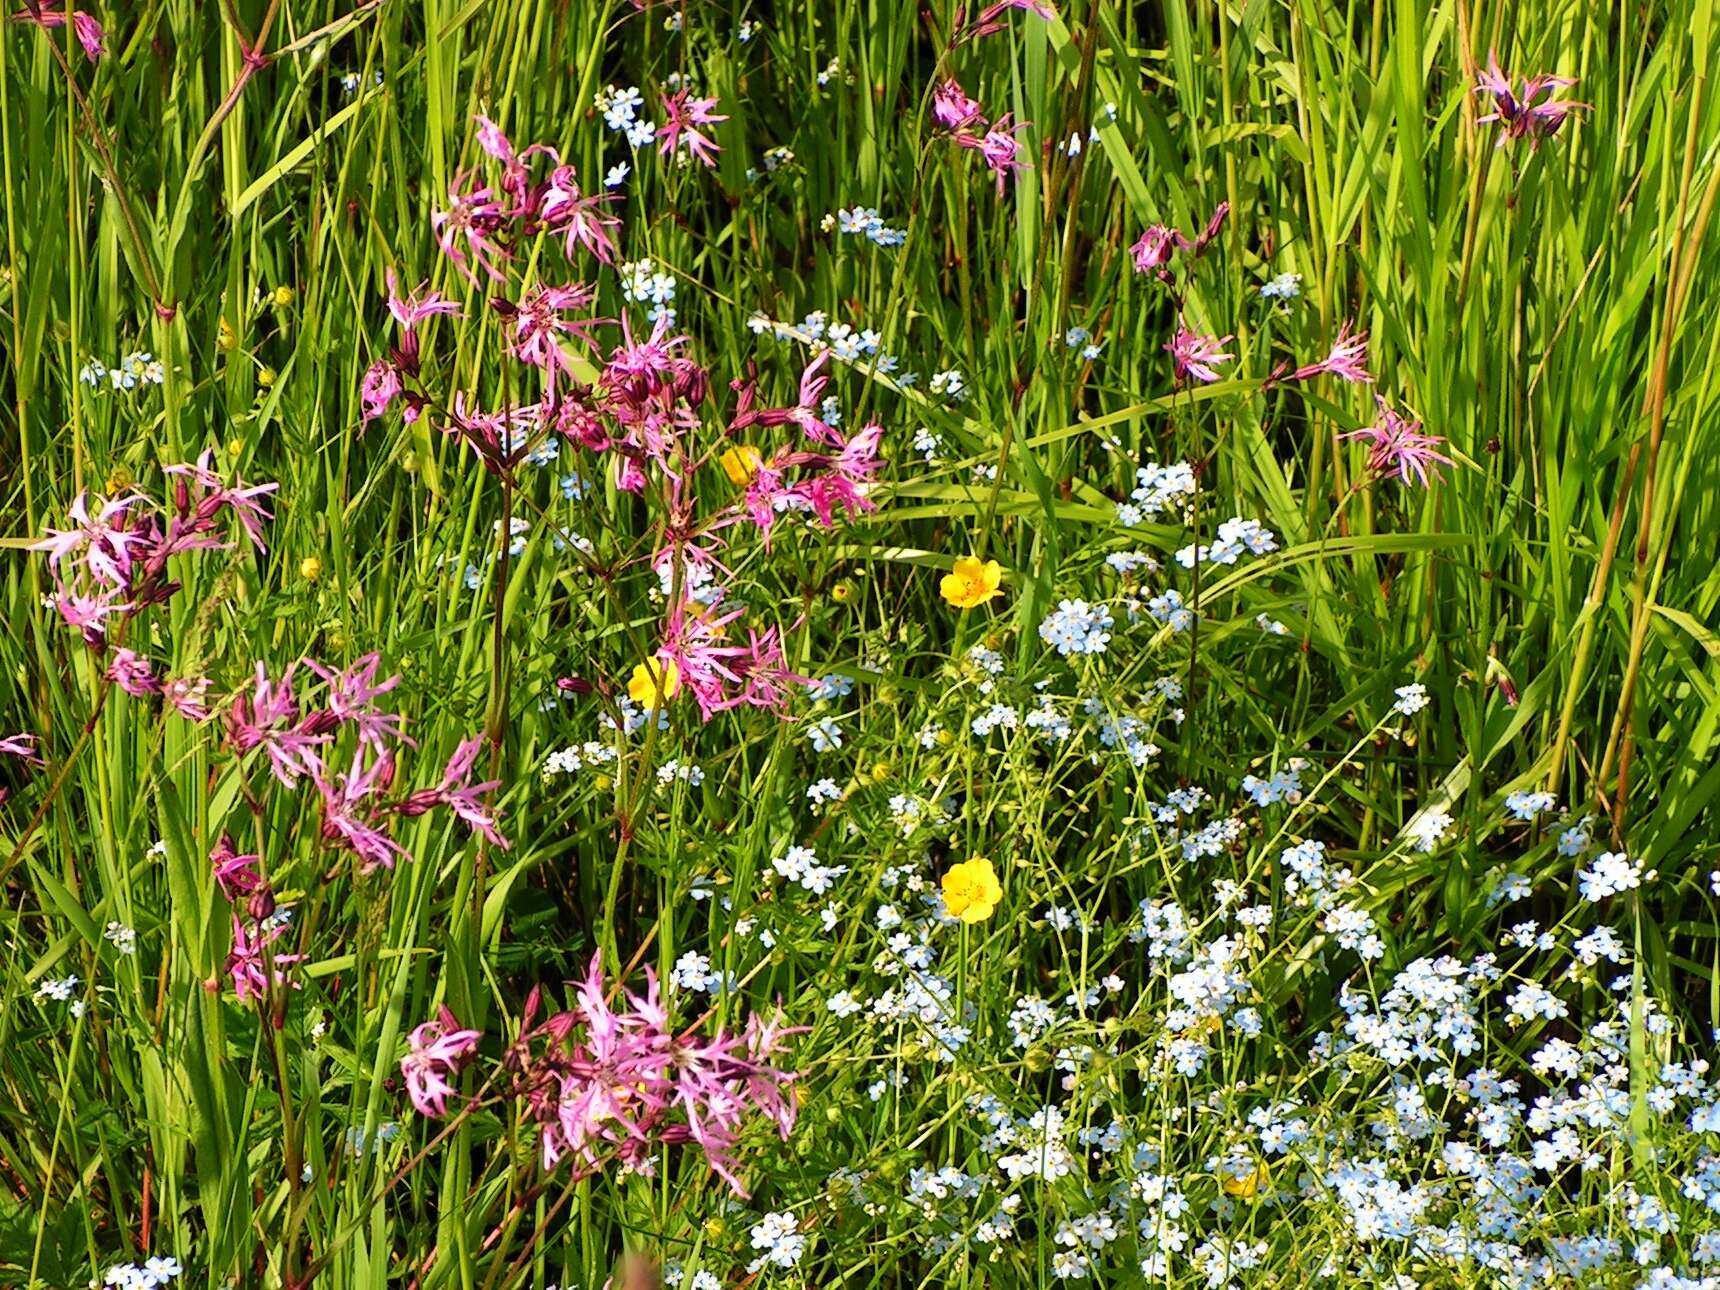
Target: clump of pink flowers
<point x="1398" y="450"/>
<point x="356" y="809"/>
<point x="112" y="562"/>
<point x="612" y="1080"/>
<point x="965" y="121"/>
<point x="644" y="412"/>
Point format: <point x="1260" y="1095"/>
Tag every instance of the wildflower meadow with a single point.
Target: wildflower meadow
<point x="715" y="644"/>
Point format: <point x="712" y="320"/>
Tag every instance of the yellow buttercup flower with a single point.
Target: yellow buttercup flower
<point x="740" y="464"/>
<point x="971" y="890"/>
<point x="971" y="582"/>
<point x="1248" y="1185"/>
<point x="655" y="683"/>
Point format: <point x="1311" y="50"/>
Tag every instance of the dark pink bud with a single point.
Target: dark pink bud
<point x="318" y="723"/>
<point x="422" y="802"/>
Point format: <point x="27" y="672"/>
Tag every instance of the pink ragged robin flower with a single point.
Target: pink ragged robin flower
<point x="579" y="219"/>
<point x="1528" y="112"/>
<point x="496" y="144"/>
<point x="695" y="640"/>
<point x="461" y="795"/>
<point x="101" y="544"/>
<point x="206" y="495"/>
<point x="132" y="673"/>
<point x="417" y="305"/>
<point x="1348" y="360"/>
<point x="87" y="613"/>
<point x="269" y="718"/>
<point x="22" y="747"/>
<point x="991" y="18"/>
<point x="954" y="111"/>
<point x="1193" y="355"/>
<point x="436" y="1051"/>
<point x="998" y="148"/>
<point x="50" y="15"/>
<point x="252" y="956"/>
<point x="187" y="696"/>
<point x="537" y="320"/>
<point x="352" y="696"/>
<point x="467" y="228"/>
<point x="764" y="679"/>
<point x="1155" y="248"/>
<point x="685" y="114"/>
<point x="350" y="818"/>
<point x="235" y="874"/>
<point x="804" y="413"/>
<point x="377" y="389"/>
<point x="1159" y="244"/>
<point x="1398" y="450"/>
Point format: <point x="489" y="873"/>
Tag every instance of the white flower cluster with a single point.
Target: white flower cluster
<point x="1236" y="536"/>
<point x="779" y="1241"/>
<point x="1157" y="489"/>
<point x="620" y="109"/>
<point x="577" y="757"/>
<point x="148" y="1275"/>
<point x="863" y="221"/>
<point x="1076" y="627"/>
<point x="643" y="282"/>
<point x="137" y="368"/>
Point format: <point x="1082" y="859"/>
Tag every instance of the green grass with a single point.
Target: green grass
<point x="1548" y="313"/>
